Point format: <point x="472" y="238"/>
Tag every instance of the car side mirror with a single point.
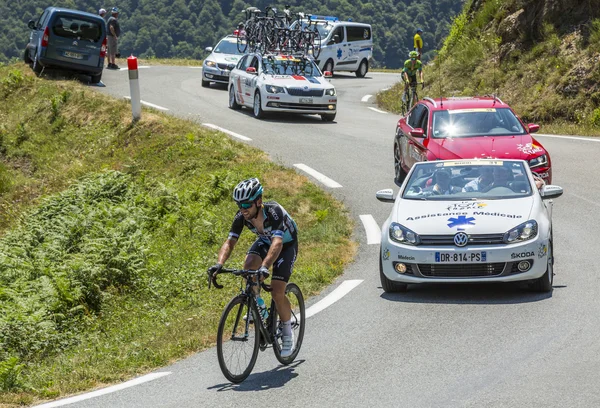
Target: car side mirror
<point x="533" y="127"/>
<point x="31" y="24"/>
<point x="385" y="196"/>
<point x="550" y="191"/>
<point x="208" y="49"/>
<point x="418" y="132"/>
<point x="327" y="74"/>
<point x="251" y="70"/>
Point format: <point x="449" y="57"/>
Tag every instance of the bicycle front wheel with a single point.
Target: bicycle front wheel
<point x="294" y="295"/>
<point x="237" y="340"/>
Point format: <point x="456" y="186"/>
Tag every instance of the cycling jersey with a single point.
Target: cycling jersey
<point x="408" y="67"/>
<point x="277" y="223"/>
<point x="418" y="42"/>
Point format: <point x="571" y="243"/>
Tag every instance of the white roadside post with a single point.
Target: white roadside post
<point x="134" y="88"/>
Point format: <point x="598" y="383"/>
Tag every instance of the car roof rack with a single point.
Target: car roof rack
<point x="495" y="98"/>
<point x="427" y="98"/>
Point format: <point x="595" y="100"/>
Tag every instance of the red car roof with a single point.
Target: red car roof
<point x="466" y="102"/>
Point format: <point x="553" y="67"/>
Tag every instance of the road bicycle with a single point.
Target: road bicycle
<point x="243" y="331"/>
<point x="410" y="97"/>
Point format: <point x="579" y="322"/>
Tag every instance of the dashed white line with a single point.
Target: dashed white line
<point x="229" y="132"/>
<point x="366" y="98"/>
<point x="320" y="177"/>
<point x="587" y="139"/>
<point x="149" y="104"/>
<point x="333" y="297"/>
<point x="376" y="110"/>
<point x="106" y="390"/>
<point x="372" y="229"/>
<point x="386" y="89"/>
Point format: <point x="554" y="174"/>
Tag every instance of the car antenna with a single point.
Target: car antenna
<point x="440" y="80"/>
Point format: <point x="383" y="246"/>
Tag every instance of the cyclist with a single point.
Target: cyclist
<point x="409" y="72"/>
<point x="418" y="43"/>
<point x="276" y="245"/>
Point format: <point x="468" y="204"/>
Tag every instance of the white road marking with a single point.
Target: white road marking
<point x="386" y="89"/>
<point x="149" y="104"/>
<point x="587" y="139"/>
<point x="376" y="110"/>
<point x="365" y="98"/>
<point x="107" y="390"/>
<point x="229" y="132"/>
<point x="585" y="199"/>
<point x="371" y="228"/>
<point x="320" y="177"/>
<point x="333" y="297"/>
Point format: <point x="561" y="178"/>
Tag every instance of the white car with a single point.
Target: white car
<point x="221" y="60"/>
<point x="281" y="83"/>
<point x="457" y="221"/>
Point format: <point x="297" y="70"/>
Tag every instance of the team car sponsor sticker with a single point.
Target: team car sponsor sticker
<point x="542" y="250"/>
<point x="386" y="254"/>
<point x="405" y="257"/>
<point x="466" y="206"/>
<point x="472" y="110"/>
<point x="530" y="148"/>
<point x="471" y="163"/>
<point x="522" y="255"/>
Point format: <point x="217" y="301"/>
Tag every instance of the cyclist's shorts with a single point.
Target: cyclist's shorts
<point x="284" y="264"/>
<point x="412" y="79"/>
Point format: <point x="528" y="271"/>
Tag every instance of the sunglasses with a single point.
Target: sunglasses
<point x="245" y="205"/>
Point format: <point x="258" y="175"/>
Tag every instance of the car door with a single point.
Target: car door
<point x="250" y="79"/>
<point x="36" y="34"/>
<point x="237" y="78"/>
<point x="355" y="37"/>
<point x="340" y="48"/>
<point x="412" y="148"/>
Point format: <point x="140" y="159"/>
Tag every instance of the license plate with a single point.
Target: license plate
<point x="460" y="257"/>
<point x="306" y="100"/>
<point x="73" y="55"/>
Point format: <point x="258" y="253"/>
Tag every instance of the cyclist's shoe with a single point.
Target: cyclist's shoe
<point x="404" y="97"/>
<point x="251" y="318"/>
<point x="287" y="345"/>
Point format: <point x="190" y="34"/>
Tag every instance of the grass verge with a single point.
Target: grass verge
<point x="107" y="228"/>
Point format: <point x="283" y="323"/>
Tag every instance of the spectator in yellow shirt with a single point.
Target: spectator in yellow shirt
<point x="419" y="43"/>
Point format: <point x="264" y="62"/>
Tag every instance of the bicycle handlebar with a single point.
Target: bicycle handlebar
<point x="245" y="273"/>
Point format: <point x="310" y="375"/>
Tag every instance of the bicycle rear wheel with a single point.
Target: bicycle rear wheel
<point x="237" y="340"/>
<point x="294" y="295"/>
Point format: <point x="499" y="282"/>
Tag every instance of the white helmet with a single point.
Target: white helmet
<point x="247" y="190"/>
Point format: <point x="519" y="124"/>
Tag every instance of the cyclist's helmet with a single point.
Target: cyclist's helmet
<point x="247" y="190"/>
<point x="413" y="54"/>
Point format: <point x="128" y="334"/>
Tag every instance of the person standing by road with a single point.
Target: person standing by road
<point x="114" y="31"/>
<point x="418" y="43"/>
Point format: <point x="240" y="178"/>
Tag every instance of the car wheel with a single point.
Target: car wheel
<point x="328" y="117"/>
<point x="362" y="70"/>
<point x="544" y="283"/>
<point x="232" y="102"/>
<point x="388" y="285"/>
<point x="205" y="84"/>
<point x="259" y="113"/>
<point x="26" y="57"/>
<point x="399" y="173"/>
<point x="37" y="67"/>
<point x="328" y="66"/>
<point x="96" y="78"/>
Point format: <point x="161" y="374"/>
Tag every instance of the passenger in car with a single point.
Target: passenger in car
<point x="486" y="176"/>
<point x="441" y="184"/>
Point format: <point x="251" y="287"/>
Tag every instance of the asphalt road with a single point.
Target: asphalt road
<point x="435" y="346"/>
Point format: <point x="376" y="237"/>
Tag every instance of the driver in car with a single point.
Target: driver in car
<point x="441" y="184"/>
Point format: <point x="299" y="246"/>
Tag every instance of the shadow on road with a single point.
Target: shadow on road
<point x="267" y="380"/>
<point x="284" y="117"/>
<point x="491" y="293"/>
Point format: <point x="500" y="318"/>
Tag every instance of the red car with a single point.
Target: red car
<point x="466" y="128"/>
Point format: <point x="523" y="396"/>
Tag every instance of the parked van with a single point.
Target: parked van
<point x="345" y="45"/>
<point x="68" y="39"/>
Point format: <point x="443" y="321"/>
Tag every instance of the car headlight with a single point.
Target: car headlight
<point x="210" y="63"/>
<point x="403" y="235"/>
<point x="524" y="232"/>
<point x="539" y="161"/>
<point x="274" y="89"/>
<point x="330" y="92"/>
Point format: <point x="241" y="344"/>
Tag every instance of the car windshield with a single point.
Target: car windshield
<point x="290" y="66"/>
<point x="227" y="47"/>
<point x="476" y="122"/>
<point x="464" y="180"/>
<point x="324" y="27"/>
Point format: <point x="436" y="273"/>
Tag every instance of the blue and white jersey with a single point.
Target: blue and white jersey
<point x="277" y="223"/>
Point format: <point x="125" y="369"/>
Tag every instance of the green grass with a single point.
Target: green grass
<point x="552" y="82"/>
<point x="107" y="228"/>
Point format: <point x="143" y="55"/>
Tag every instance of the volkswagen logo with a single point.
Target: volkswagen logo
<point x="306" y="88"/>
<point x="461" y="239"/>
<point x="74" y="42"/>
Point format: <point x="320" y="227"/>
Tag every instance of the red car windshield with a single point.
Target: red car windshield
<point x="476" y="122"/>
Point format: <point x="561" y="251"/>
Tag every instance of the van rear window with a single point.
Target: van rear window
<point x="77" y="28"/>
<point x="358" y="33"/>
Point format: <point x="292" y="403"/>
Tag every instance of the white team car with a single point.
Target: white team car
<point x="221" y="60"/>
<point x="281" y="83"/>
<point x="468" y="221"/>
